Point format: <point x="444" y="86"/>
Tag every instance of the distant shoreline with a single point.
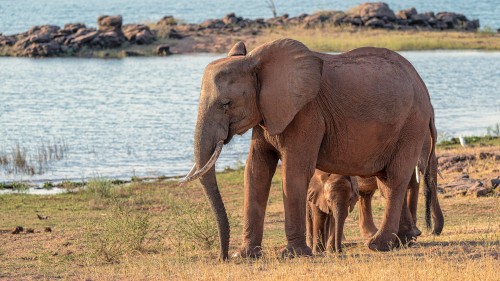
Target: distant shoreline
<point x="369" y="24"/>
<point x="56" y="185"/>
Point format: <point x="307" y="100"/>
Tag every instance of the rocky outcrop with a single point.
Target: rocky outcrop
<point x="51" y="40"/>
<point x="464" y="185"/>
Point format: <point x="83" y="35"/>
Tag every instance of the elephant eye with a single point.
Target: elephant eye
<point x="225" y="105"/>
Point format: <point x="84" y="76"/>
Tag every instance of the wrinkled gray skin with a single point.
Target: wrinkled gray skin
<point x="330" y="198"/>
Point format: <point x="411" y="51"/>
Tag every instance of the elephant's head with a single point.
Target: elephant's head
<point x="267" y="86"/>
<point x="333" y="193"/>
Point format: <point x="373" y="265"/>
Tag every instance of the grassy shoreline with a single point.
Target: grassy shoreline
<point x="325" y="39"/>
<point x="160" y="230"/>
<point x="340" y="40"/>
<point x="451" y="144"/>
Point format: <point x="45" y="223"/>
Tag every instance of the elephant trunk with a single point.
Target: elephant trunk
<point x="211" y="189"/>
<point x="205" y="153"/>
<point x="340" y="216"/>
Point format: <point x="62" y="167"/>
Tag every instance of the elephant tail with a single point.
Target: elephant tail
<point x="430" y="180"/>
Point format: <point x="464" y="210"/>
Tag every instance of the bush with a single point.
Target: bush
<point x="100" y="188"/>
<point x="122" y="233"/>
<point x="194" y="223"/>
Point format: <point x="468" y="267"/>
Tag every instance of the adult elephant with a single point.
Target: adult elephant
<point x="358" y="113"/>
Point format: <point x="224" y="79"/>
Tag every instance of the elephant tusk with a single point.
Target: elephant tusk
<point x="211" y="162"/>
<point x="191" y="172"/>
<point x="417" y="176"/>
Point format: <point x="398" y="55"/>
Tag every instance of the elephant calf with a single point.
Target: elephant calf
<point x="330" y="198"/>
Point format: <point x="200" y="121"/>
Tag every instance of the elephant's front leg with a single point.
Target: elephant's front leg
<point x="259" y="171"/>
<point x="318" y="227"/>
<point x="296" y="178"/>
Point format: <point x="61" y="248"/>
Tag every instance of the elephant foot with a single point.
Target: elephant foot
<point x="292" y="252"/>
<point x="248" y="253"/>
<point x="382" y="242"/>
<point x="405" y="238"/>
<point x="417" y="231"/>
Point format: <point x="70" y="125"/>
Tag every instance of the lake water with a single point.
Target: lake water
<point x="136" y="116"/>
<point x="20" y="15"/>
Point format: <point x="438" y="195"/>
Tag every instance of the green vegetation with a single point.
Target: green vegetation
<point x="32" y="160"/>
<point x="120" y="234"/>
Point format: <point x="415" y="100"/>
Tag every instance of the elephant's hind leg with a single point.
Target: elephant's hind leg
<point x="366" y="225"/>
<point x="394" y="186"/>
<point x="412" y="200"/>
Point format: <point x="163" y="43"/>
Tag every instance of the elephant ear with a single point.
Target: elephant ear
<point x="354" y="194"/>
<point x="289" y="77"/>
<point x="238" y="49"/>
<point x="316" y="195"/>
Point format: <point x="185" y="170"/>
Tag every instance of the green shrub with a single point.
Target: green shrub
<point x="122" y="233"/>
<point x="99" y="188"/>
<point x="194" y="223"/>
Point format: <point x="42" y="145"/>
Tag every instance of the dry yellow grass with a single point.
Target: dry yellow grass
<point x="468" y="248"/>
<point x="337" y="39"/>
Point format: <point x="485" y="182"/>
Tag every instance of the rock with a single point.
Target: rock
<point x="406" y="14"/>
<point x="40" y="38"/>
<point x="375" y="23"/>
<point x="144" y="37"/>
<point x="138" y="33"/>
<point x="472" y="25"/>
<point x="42" y="50"/>
<point x="332" y="17"/>
<point x="452" y="20"/>
<point x="74" y="27"/>
<point x="486" y="155"/>
<point x="18" y="230"/>
<point x="479" y="191"/>
<point x="43" y="29"/>
<point x="109" y="23"/>
<point x="212" y="23"/>
<point x="367" y="11"/>
<point x="30" y="230"/>
<point x="173" y="34"/>
<point x="163" y="50"/>
<point x="7" y="41"/>
<point x="356" y="21"/>
<point x="47" y="229"/>
<point x="231" y="19"/>
<point x="495" y="182"/>
<point x="110" y="39"/>
<point x="440" y="25"/>
<point x="420" y="19"/>
<point x="85" y="38"/>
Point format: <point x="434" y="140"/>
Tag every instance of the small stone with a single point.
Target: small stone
<point x="18" y="230"/>
<point x="481" y="192"/>
<point x="47" y="229"/>
<point x="163" y="50"/>
<point x="30" y="230"/>
<point x="495" y="182"/>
